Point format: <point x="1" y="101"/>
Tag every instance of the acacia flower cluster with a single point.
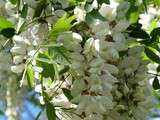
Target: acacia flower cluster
<point x="107" y="85"/>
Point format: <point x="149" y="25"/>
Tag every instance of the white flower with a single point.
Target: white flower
<point x="77" y="37"/>
<point x="65" y="36"/>
<point x="18" y="68"/>
<point x="123" y="7"/>
<point x="121" y="26"/>
<point x="61" y="100"/>
<point x="138" y="113"/>
<point x="19" y="40"/>
<point x="32" y="53"/>
<point x="96" y="88"/>
<point x="18" y="59"/>
<point x="37" y="69"/>
<point x="10" y="8"/>
<point x="119" y="37"/>
<point x="95" y="105"/>
<point x="107" y="11"/>
<point x="93" y="117"/>
<point x="95" y="4"/>
<point x="42" y="31"/>
<point x="100" y="28"/>
<point x="91" y="46"/>
<point x="18" y="50"/>
<point x="145" y="20"/>
<point x="59" y="13"/>
<point x="111" y="68"/>
<point x="64" y="3"/>
<point x="78" y="86"/>
<point x="41" y="100"/>
<point x="136" y="51"/>
<point x="111" y="54"/>
<point x="97" y="62"/>
<point x="80" y="13"/>
<point x="108" y="78"/>
<point x="120" y="46"/>
<point x="38" y="88"/>
<point x="131" y="63"/>
<point x="77" y="56"/>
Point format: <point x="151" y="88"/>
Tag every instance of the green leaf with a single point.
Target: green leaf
<point x="67" y="93"/>
<point x="158" y="68"/>
<point x="156" y="2"/>
<point x="24" y="11"/>
<point x="50" y="110"/>
<point x="4" y="23"/>
<point x="103" y="1"/>
<point x="151" y="55"/>
<point x="59" y="54"/>
<point x="133" y="13"/>
<point x="45" y="60"/>
<point x="62" y="25"/>
<point x="64" y="70"/>
<point x="155" y="45"/>
<point x="153" y="24"/>
<point x="39" y="9"/>
<point x="139" y="34"/>
<point x="155" y="33"/>
<point x="8" y="32"/>
<point x="135" y="31"/>
<point x="93" y="16"/>
<point x="30" y="76"/>
<point x="13" y="1"/>
<point x="1" y="112"/>
<point x="48" y="69"/>
<point x="156" y="84"/>
<point x="145" y="5"/>
<point x="75" y="1"/>
<point x="79" y="0"/>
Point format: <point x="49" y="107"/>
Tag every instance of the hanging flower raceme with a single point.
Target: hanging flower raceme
<point x="132" y="92"/>
<point x="107" y="85"/>
<point x="25" y="45"/>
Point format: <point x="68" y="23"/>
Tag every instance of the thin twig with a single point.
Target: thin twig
<point x="153" y="74"/>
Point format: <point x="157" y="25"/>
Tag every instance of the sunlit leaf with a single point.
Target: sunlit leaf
<point x="59" y="54"/>
<point x="63" y="24"/>
<point x="4" y="23"/>
<point x="133" y="13"/>
<point x="48" y="69"/>
<point x="30" y="76"/>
